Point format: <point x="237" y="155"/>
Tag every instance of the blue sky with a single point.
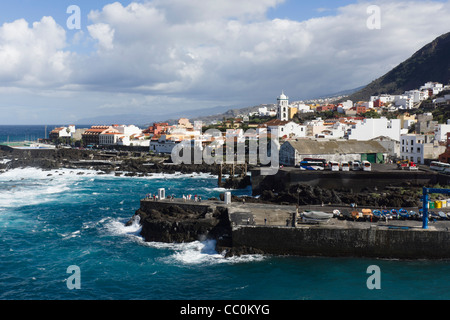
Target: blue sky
<point x="304" y="10"/>
<point x="160" y="57"/>
<point x="33" y="10"/>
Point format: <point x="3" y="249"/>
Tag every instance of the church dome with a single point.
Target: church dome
<point x="283" y="96"/>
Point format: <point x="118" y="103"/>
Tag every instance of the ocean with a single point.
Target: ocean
<point x="51" y="221"/>
<point x="12" y="133"/>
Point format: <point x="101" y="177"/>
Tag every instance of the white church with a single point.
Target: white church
<point x="283" y="107"/>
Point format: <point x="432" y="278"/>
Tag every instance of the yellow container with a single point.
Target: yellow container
<point x="438" y="204"/>
<point x="444" y="203"/>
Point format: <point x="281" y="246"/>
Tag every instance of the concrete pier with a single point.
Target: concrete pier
<point x="269" y="229"/>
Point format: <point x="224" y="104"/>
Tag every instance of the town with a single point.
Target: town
<point x="385" y="129"/>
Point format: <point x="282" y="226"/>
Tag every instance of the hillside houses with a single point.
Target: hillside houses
<point x="335" y="130"/>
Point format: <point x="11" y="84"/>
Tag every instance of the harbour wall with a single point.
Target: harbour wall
<point x="179" y="221"/>
<point x="351" y="181"/>
<point x="331" y="242"/>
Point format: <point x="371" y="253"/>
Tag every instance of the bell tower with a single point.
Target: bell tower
<point x="283" y="107"/>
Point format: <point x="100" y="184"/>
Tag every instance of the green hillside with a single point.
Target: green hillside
<point x="431" y="63"/>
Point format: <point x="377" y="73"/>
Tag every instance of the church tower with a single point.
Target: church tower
<point x="283" y="107"/>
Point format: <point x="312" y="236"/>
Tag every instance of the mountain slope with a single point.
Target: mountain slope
<point x="431" y="63"/>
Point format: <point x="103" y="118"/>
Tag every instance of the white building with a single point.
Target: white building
<point x="304" y="108"/>
<point x="266" y="112"/>
<point x="284" y="129"/>
<point x="369" y="129"/>
<point x="417" y="148"/>
<point x="283" y="107"/>
<point x="62" y="132"/>
<point x="435" y="87"/>
<point x="122" y="135"/>
<point x="109" y="138"/>
<point x="344" y="106"/>
<point x="128" y="130"/>
<point x="163" y="144"/>
<point x="440" y="133"/>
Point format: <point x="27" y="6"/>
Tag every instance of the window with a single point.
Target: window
<point x="418" y="150"/>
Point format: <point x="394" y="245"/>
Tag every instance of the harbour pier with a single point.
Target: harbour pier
<point x="240" y="227"/>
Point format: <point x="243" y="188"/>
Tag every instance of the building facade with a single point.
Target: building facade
<point x="293" y="152"/>
<point x="371" y="128"/>
<point x="420" y="148"/>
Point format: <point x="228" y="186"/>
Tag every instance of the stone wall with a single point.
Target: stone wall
<point x="353" y="181"/>
<point x="323" y="241"/>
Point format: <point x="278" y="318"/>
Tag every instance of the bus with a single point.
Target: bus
<point x="312" y="165"/>
<point x="439" y="166"/>
<point x="325" y="163"/>
<point x="367" y="166"/>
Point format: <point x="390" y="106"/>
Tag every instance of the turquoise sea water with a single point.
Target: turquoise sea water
<point x="50" y="220"/>
<point x="55" y="219"/>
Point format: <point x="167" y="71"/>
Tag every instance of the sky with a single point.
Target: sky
<point x="157" y="57"/>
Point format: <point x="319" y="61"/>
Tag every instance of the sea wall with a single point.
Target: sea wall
<point x="353" y="181"/>
<point x="323" y="241"/>
<point x="179" y="221"/>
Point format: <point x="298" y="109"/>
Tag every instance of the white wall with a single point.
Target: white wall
<point x="441" y="131"/>
<point x="372" y="128"/>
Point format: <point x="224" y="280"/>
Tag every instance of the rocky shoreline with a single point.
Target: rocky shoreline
<point x="121" y="163"/>
<point x="142" y="164"/>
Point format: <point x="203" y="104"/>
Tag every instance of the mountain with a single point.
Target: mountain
<point x="431" y="63"/>
<point x="144" y="120"/>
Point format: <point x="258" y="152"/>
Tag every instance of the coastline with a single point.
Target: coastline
<point x="241" y="229"/>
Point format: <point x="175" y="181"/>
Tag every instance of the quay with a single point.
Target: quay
<point x="269" y="229"/>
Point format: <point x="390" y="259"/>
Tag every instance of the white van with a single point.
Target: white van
<point x="367" y="166"/>
<point x="334" y="166"/>
<point x="345" y="166"/>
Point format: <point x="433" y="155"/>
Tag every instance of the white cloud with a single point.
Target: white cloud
<point x="33" y="56"/>
<point x="218" y="52"/>
<point x="104" y="34"/>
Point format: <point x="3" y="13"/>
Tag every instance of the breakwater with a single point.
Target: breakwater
<point x="241" y="228"/>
